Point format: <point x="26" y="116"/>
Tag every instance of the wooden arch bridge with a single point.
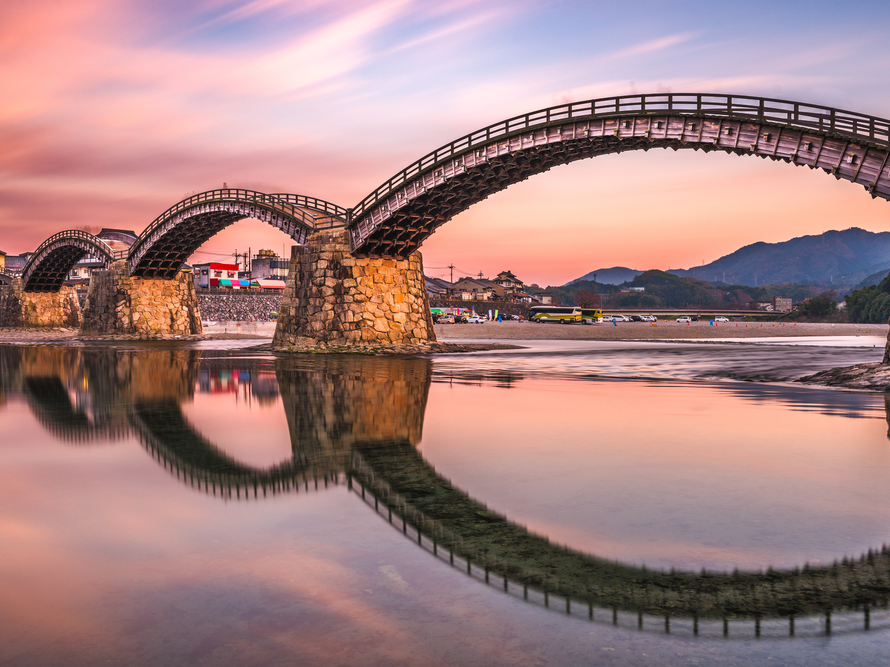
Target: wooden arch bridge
<point x="393" y="220"/>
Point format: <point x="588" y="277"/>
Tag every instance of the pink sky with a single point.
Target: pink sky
<point x="115" y="110"/>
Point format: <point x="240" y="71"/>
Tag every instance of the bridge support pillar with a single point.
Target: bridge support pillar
<point x="34" y="310"/>
<point x="335" y="300"/>
<point x="120" y="304"/>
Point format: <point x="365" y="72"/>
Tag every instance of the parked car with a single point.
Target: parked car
<point x="636" y="318"/>
<point x="649" y="318"/>
<point x="446" y="319"/>
<point x="475" y="319"/>
<point x="720" y="318"/>
<point x="684" y="319"/>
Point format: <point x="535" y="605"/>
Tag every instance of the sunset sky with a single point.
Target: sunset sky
<point x="114" y="110"/>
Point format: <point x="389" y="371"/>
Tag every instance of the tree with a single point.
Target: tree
<point x="819" y="306"/>
<point x="636" y="300"/>
<point x="870" y="304"/>
<point x="587" y="299"/>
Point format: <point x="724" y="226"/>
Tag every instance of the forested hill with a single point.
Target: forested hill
<point x="843" y="258"/>
<point x="614" y="276"/>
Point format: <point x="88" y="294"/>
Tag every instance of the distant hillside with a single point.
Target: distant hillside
<point x="614" y="276"/>
<point x="661" y="289"/>
<point x="868" y="281"/>
<point x="839" y="258"/>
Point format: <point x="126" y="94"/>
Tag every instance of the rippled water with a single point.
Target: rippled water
<point x="194" y="505"/>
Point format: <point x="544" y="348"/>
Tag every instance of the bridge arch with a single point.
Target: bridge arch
<point x="165" y="245"/>
<point x="173" y="441"/>
<point x="395" y="479"/>
<point x="401" y="213"/>
<point x="50" y="264"/>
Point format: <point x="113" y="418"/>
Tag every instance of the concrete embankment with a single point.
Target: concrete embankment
<point x="246" y="307"/>
<point x="237" y="329"/>
<point x="240" y="306"/>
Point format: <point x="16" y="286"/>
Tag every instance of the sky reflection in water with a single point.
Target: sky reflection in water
<point x="108" y="555"/>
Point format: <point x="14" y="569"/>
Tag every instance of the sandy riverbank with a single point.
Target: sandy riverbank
<point x="493" y="331"/>
<point x="645" y="331"/>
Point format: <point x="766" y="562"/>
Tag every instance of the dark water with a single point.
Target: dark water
<point x="177" y="505"/>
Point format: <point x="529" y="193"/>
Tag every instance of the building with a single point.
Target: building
<point x="509" y="286"/>
<point x="436" y="288"/>
<point x="471" y="289"/>
<point x="208" y="276"/>
<point x="525" y="297"/>
<point x="508" y="281"/>
<point x="2" y="262"/>
<point x="15" y="264"/>
<point x="267" y="265"/>
<point x="118" y="239"/>
<point x="781" y="304"/>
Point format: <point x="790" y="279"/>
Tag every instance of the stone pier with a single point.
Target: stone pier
<point x="334" y="300"/>
<point x="119" y="304"/>
<point x="38" y="309"/>
<point x="334" y="401"/>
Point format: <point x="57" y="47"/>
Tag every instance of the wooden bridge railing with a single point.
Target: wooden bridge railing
<point x="313" y="204"/>
<point x="740" y="107"/>
<point x="231" y="195"/>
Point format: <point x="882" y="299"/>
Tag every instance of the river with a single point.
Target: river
<point x="570" y="502"/>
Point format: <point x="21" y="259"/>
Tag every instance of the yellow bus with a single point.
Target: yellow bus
<point x="564" y="314"/>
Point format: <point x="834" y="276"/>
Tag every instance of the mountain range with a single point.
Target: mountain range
<point x="841" y="258"/>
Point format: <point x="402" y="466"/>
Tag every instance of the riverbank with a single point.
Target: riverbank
<point x="645" y="331"/>
<point x="262" y="332"/>
<point x="504" y="331"/>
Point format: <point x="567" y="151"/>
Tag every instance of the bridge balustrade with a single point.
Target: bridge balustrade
<point x="231" y="194"/>
<point x="737" y="107"/>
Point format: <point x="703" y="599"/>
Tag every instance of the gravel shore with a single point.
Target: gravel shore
<point x="645" y="331"/>
<point x="494" y="331"/>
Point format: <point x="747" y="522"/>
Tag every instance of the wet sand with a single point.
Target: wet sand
<point x="667" y="330"/>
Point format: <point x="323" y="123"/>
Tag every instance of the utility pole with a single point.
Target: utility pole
<point x="480" y="275"/>
<point x="451" y="266"/>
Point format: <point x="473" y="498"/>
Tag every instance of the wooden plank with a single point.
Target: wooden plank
<point x="861" y="164"/>
<point x="840" y="160"/>
<point x="778" y="141"/>
<point x="822" y="141"/>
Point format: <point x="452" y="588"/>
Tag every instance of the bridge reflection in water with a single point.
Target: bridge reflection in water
<point x="358" y="420"/>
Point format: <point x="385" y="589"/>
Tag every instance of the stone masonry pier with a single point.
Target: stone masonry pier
<point x="334" y="299"/>
<point x="120" y="304"/>
<point x="38" y="309"/>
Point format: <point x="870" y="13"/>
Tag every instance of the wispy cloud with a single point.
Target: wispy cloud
<point x="108" y="102"/>
<point x="652" y="46"/>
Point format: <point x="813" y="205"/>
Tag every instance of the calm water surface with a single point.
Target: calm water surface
<point x="192" y="505"/>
